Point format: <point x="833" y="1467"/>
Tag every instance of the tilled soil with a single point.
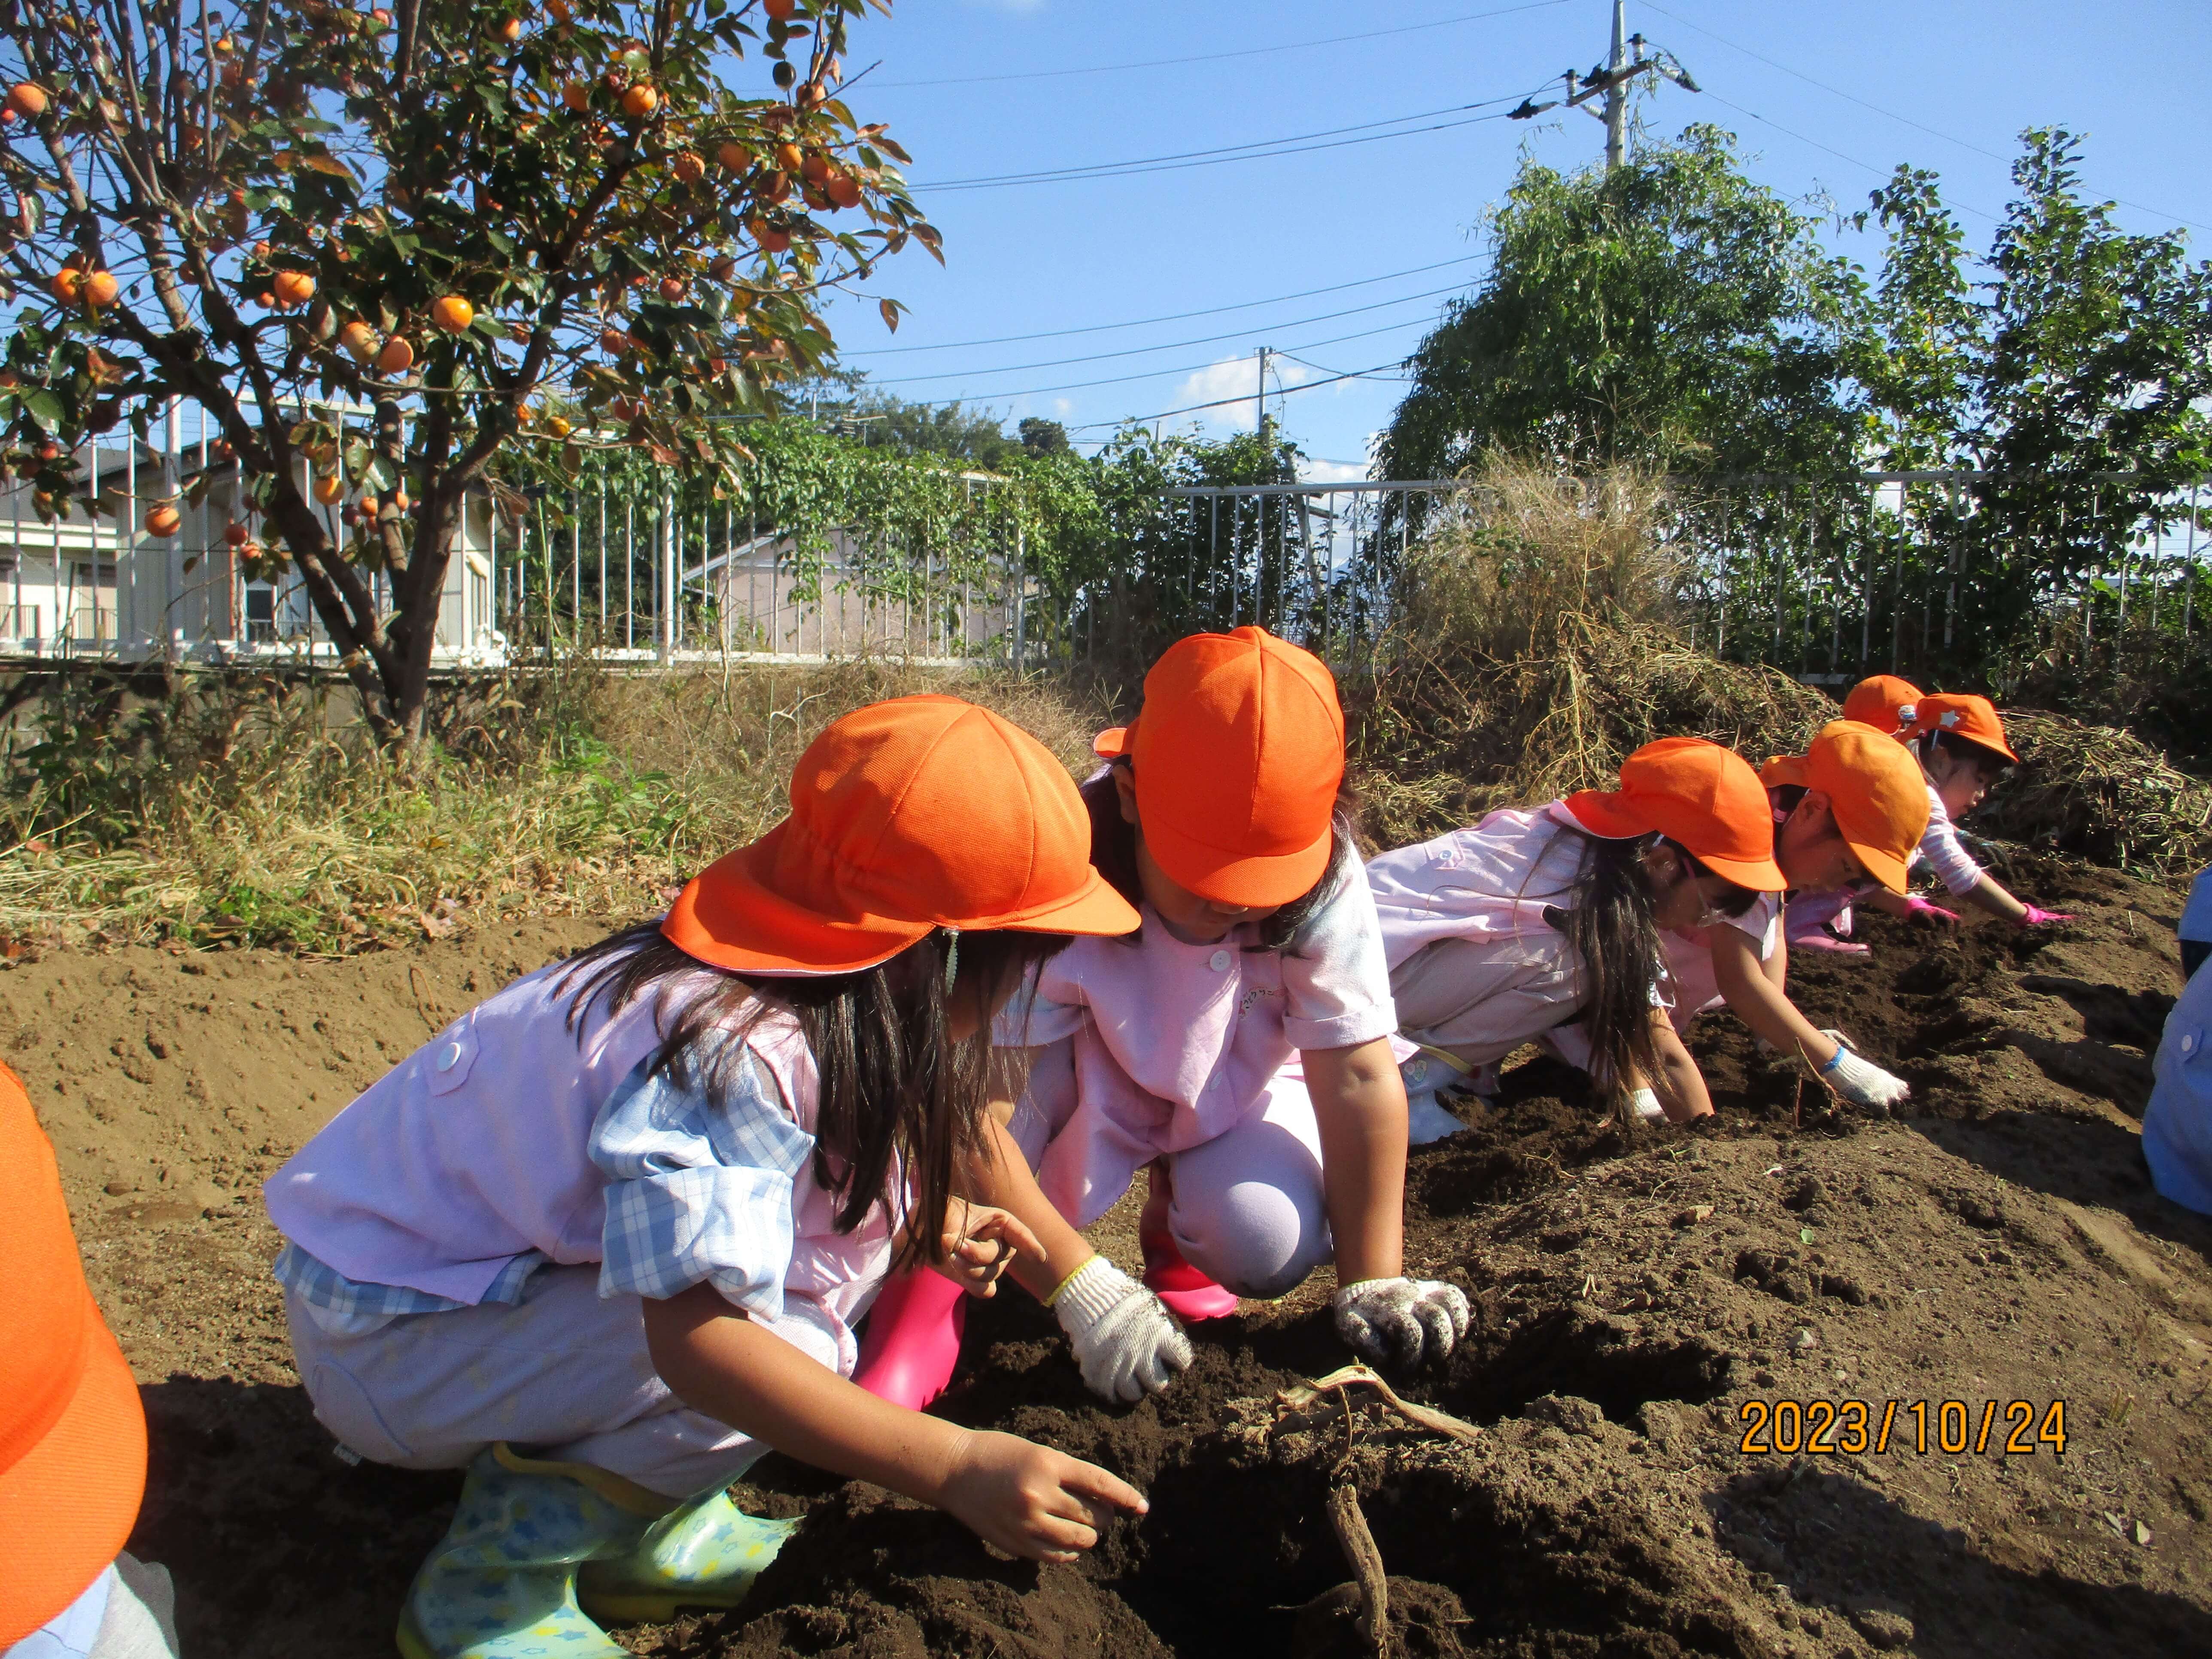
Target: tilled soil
<point x="1643" y="1301"/>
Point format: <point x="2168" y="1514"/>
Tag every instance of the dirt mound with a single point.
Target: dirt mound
<point x="1643" y="1303"/>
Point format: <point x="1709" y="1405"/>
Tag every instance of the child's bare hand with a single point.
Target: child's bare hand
<point x="980" y="1241"/>
<point x="1031" y="1500"/>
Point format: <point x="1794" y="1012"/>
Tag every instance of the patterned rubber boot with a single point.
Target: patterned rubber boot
<point x="704" y="1553"/>
<point x="502" y="1584"/>
<point x="913" y="1339"/>
<point x="1189" y="1294"/>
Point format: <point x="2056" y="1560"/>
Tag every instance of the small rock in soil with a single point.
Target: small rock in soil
<point x="1884" y="1627"/>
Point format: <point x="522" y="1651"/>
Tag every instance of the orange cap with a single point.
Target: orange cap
<point x="1698" y="794"/>
<point x="1963" y="715"/>
<point x="72" y="1437"/>
<point x="906" y="817"/>
<point x="1874" y="787"/>
<point x="1885" y="703"/>
<point x="1237" y="751"/>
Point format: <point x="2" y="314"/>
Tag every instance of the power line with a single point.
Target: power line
<point x="1891" y="114"/>
<point x="1184" y="368"/>
<point x="1220" y="56"/>
<point x="1171" y="317"/>
<point x="1220" y="403"/>
<point x="1293" y="145"/>
<point x="1169" y="345"/>
<point x="1879" y="173"/>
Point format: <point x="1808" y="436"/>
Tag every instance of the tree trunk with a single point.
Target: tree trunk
<point x="420" y="589"/>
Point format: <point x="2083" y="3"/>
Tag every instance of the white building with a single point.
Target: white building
<point x="86" y="585"/>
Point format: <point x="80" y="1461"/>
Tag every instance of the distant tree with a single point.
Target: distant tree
<point x="1672" y="313"/>
<point x="1042" y="437"/>
<point x="1925" y="381"/>
<point x="446" y="211"/>
<point x="2090" y="407"/>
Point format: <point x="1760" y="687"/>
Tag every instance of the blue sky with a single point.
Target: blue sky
<point x="1825" y="97"/>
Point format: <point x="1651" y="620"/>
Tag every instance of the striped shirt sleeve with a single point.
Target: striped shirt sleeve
<point x="1945" y="854"/>
<point x="699" y="1195"/>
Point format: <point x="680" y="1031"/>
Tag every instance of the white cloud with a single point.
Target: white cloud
<point x="1315" y="472"/>
<point x="1237" y="379"/>
<point x="1063" y="405"/>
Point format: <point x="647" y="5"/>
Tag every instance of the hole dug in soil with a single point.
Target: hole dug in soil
<point x="1521" y="1543"/>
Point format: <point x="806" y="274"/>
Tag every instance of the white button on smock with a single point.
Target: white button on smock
<point x="449" y="1056"/>
<point x="1218" y="961"/>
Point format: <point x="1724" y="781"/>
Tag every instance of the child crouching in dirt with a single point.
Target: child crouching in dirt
<point x="603" y="1241"/>
<point x="1548" y="924"/>
<point x="1849" y="810"/>
<point x="1822" y="922"/>
<point x="1238" y="1045"/>
<point x="1960" y="743"/>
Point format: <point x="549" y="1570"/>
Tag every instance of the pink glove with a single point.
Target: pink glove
<point x="1819" y="938"/>
<point x="1917" y="906"/>
<point x="2036" y="918"/>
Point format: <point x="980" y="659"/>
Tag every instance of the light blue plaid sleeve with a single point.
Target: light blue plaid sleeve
<point x="699" y="1193"/>
<point x="351" y="1306"/>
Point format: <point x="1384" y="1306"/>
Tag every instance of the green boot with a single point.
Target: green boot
<point x="704" y="1553"/>
<point x="502" y="1584"/>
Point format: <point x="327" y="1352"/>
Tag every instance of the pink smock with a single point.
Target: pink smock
<point x="472" y="1151"/>
<point x="1152" y="1046"/>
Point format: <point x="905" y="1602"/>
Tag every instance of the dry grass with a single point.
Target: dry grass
<point x="2099" y="792"/>
<point x="1537" y="648"/>
<point x="247" y="815"/>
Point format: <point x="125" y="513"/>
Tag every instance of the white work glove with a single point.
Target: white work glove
<point x="1644" y="1103"/>
<point x="1126" y="1345"/>
<point x="1400" y="1320"/>
<point x="1861" y="1081"/>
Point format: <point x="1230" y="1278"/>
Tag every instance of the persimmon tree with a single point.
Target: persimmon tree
<point x="445" y="214"/>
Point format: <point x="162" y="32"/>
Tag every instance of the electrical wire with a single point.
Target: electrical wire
<point x="1220" y="56"/>
<point x="1184" y="368"/>
<point x="1223" y="403"/>
<point x="1293" y="145"/>
<point x="1891" y="114"/>
<point x="1170" y="345"/>
<point x="1879" y="173"/>
<point x="1171" y="317"/>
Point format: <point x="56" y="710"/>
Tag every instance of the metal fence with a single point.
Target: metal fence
<point x="1826" y="580"/>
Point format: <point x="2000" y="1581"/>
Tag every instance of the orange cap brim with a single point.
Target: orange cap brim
<point x="1254" y="880"/>
<point x="731" y="917"/>
<point x="1113" y="742"/>
<point x="1885" y="867"/>
<point x="1760" y="875"/>
<point x="69" y="1504"/>
<point x="1602" y="813"/>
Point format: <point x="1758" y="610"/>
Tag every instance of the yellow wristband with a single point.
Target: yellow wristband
<point x="1070" y="1280"/>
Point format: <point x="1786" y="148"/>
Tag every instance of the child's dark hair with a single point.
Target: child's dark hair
<point x="897" y="1093"/>
<point x="1614" y="932"/>
<point x="1986" y="760"/>
<point x="1114" y="855"/>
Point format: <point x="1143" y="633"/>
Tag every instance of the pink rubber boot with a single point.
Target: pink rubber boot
<point x="913" y="1340"/>
<point x="1189" y="1294"/>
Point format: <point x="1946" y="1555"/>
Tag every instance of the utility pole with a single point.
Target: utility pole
<point x="1609" y="81"/>
<point x="1260" y="400"/>
<point x="1616" y="94"/>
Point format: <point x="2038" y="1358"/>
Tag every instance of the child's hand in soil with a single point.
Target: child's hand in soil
<point x="1861" y="1081"/>
<point x="980" y="1242"/>
<point x="1403" y="1320"/>
<point x="1125" y="1343"/>
<point x="1029" y="1500"/>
